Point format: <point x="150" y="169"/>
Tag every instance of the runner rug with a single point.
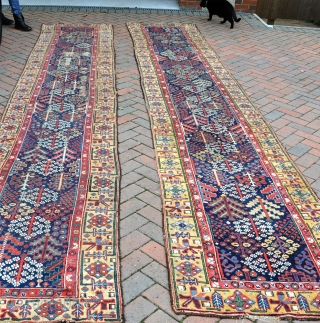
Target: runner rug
<point x="59" y="258"/>
<point x="242" y="225"/>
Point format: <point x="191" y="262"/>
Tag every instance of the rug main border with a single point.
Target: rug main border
<point x="252" y="116"/>
<point x="13" y="125"/>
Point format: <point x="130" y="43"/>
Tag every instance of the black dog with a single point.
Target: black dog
<point x="222" y="9"/>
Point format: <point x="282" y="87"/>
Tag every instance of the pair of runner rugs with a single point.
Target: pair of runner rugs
<point x="241" y="223"/>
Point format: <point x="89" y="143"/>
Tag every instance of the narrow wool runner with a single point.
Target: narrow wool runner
<point x="241" y="222"/>
<point x="59" y="258"/>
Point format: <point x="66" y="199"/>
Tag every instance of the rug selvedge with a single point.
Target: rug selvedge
<point x="197" y="281"/>
<point x="59" y="235"/>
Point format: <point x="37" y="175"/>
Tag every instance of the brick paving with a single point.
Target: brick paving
<point x="278" y="69"/>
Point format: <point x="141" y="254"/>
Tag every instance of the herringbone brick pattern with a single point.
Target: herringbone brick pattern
<point x="278" y="70"/>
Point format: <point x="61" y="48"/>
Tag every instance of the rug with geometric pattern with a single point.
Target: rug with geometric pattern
<point x="59" y="258"/>
<point x="241" y="223"/>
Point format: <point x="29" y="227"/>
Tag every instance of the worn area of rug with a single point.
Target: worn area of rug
<point x="59" y="257"/>
<point x="242" y="225"/>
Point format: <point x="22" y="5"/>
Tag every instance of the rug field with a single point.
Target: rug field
<point x="59" y="258"/>
<point x="241" y="223"/>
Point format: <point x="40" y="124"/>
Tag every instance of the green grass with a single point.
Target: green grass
<point x="315" y="22"/>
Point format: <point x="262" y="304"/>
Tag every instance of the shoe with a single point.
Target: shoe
<point x="20" y="24"/>
<point x="6" y="21"/>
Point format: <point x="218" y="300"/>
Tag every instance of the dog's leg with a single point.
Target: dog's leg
<point x="223" y="21"/>
<point x="210" y="16"/>
<point x="231" y="22"/>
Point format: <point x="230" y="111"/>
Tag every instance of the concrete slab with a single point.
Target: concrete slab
<point x="147" y="4"/>
<point x="278" y="69"/>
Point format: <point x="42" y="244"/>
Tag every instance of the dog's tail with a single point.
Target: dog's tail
<point x="234" y="15"/>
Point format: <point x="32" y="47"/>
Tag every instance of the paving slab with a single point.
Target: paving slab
<point x="278" y="69"/>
